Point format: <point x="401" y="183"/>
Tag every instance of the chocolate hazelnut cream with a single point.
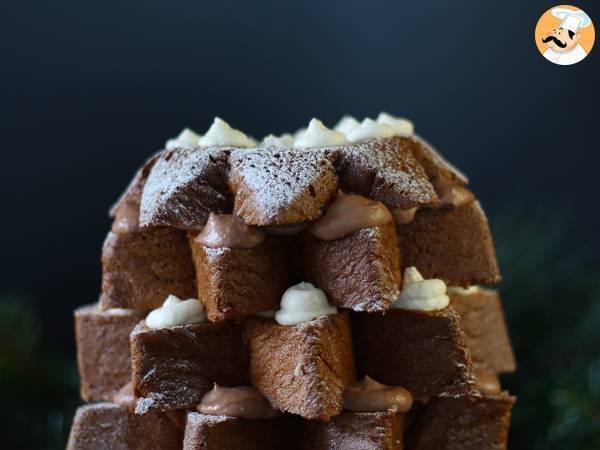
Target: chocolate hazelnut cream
<point x="348" y="214"/>
<point x="449" y="194"/>
<point x="404" y="216"/>
<point x="126" y="397"/>
<point x="228" y="230"/>
<point x="126" y="219"/>
<point x="368" y="395"/>
<point x="487" y="382"/>
<point x="244" y="402"/>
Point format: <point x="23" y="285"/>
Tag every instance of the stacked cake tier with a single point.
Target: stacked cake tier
<point x="316" y="291"/>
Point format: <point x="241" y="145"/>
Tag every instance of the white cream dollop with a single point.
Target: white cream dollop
<point x="401" y="126"/>
<point x="318" y="135"/>
<point x="187" y="138"/>
<point x="457" y="290"/>
<point x="299" y="132"/>
<point x="346" y="124"/>
<point x="419" y="294"/>
<point x="284" y="140"/>
<point x="302" y="303"/>
<point x="369" y="129"/>
<point x="221" y="134"/>
<point x="175" y="311"/>
<point x="119" y="311"/>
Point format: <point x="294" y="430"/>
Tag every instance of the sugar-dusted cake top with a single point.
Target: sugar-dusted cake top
<point x="286" y="180"/>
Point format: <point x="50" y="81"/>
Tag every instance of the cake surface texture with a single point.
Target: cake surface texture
<point x="316" y="290"/>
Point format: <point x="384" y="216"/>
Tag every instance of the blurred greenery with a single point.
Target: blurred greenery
<point x="551" y="294"/>
<point x="39" y="389"/>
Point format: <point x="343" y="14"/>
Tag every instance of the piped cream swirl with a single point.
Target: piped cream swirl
<point x="303" y="303"/>
<point x="187" y="138"/>
<point x="419" y="294"/>
<point x="221" y="134"/>
<point x="369" y="129"/>
<point x="318" y="135"/>
<point x="175" y="312"/>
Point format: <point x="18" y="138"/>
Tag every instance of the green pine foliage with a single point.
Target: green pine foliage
<point x="38" y="388"/>
<point x="551" y="295"/>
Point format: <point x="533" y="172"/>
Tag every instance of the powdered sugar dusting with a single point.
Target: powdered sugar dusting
<point x="131" y="196"/>
<point x="197" y="419"/>
<point x="382" y="170"/>
<point x="184" y="186"/>
<point x="107" y="426"/>
<point x="281" y="186"/>
<point x="103" y="406"/>
<point x="100" y="426"/>
<point x="440" y="162"/>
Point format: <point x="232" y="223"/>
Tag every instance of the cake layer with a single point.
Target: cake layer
<point x="162" y="246"/>
<point x="106" y="426"/>
<point x="454" y="245"/>
<point x="349" y="430"/>
<point x="482" y="320"/>
<point x="385" y="170"/>
<point x="205" y="432"/>
<point x="127" y="208"/>
<point x="140" y="269"/>
<point x="103" y="355"/>
<point x="360" y="271"/>
<point x="184" y="187"/>
<point x="302" y="369"/>
<point x="285" y="185"/>
<point x="174" y="367"/>
<point x="275" y="186"/>
<point x="424" y="352"/>
<point x="462" y="423"/>
<point x="237" y="282"/>
<point x="434" y="164"/>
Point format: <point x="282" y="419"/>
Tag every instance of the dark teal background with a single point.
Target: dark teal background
<point x="89" y="89"/>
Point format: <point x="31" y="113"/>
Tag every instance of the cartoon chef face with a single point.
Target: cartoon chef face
<point x="561" y="40"/>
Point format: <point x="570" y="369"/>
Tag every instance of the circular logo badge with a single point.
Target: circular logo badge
<point x="565" y="35"/>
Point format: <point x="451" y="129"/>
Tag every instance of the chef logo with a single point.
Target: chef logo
<point x="564" y="35"/>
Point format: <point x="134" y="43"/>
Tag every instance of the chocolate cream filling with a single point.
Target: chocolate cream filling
<point x="244" y="402"/>
<point x="126" y="397"/>
<point x="487" y="382"/>
<point x="348" y="214"/>
<point x="126" y="218"/>
<point x="368" y="395"/>
<point x="450" y="194"/>
<point x="228" y="230"/>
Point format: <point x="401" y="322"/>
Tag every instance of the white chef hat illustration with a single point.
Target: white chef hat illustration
<point x="571" y="19"/>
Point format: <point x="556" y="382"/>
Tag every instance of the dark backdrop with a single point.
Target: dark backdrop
<point x="89" y="89"/>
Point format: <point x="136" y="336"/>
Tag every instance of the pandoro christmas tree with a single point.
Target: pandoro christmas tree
<point x="313" y="291"/>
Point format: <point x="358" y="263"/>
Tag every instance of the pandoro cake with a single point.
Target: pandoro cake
<point x="174" y="366"/>
<point x="315" y="290"/>
<point x="236" y="418"/>
<point x="479" y="421"/>
<point x="486" y="335"/>
<point x="302" y="368"/>
<point x="244" y="271"/>
<point x="103" y="354"/>
<point x="108" y="426"/>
